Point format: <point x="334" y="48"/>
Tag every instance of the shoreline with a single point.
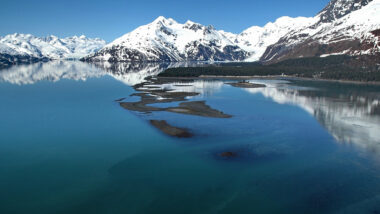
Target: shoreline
<point x="274" y="77"/>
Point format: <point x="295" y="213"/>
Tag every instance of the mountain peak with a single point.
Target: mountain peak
<point x="164" y="20"/>
<point x="189" y="22"/>
<point x="160" y="19"/>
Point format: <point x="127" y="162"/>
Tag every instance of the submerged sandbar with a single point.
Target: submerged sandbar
<point x="170" y="130"/>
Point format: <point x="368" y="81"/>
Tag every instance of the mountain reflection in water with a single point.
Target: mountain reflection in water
<point x="350" y="113"/>
<point x="351" y="118"/>
<point x="128" y="73"/>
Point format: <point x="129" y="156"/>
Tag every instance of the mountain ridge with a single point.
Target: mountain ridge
<point x="342" y="27"/>
<point x="348" y="27"/>
<point x="164" y="39"/>
<point x="154" y="42"/>
<point x="22" y="48"/>
<point x="350" y="33"/>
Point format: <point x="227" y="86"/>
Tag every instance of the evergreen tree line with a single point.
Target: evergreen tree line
<point x="333" y="67"/>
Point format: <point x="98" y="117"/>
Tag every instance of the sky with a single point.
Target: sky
<point x="113" y="18"/>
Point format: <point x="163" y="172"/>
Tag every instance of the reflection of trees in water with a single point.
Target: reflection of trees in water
<point x="348" y="117"/>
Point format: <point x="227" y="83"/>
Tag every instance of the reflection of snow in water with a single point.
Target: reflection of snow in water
<point x="50" y="71"/>
<point x="348" y="119"/>
<point x="127" y="73"/>
<point x="134" y="73"/>
<point x="203" y="87"/>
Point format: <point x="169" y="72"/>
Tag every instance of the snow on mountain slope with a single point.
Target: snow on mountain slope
<point x="336" y="9"/>
<point x="256" y="39"/>
<point x="354" y="32"/>
<point x="50" y="47"/>
<point x="359" y="27"/>
<point x="167" y="40"/>
<point x="342" y="27"/>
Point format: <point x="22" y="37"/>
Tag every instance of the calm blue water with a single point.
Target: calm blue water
<point x="67" y="147"/>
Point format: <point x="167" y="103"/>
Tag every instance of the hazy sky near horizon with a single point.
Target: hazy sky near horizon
<point x="111" y="19"/>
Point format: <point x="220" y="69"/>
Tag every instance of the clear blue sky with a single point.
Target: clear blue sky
<point x="113" y="18"/>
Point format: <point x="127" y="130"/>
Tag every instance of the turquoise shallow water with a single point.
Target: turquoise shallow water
<point x="67" y="147"/>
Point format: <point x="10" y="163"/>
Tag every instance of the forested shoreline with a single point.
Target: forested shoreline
<point x="359" y="68"/>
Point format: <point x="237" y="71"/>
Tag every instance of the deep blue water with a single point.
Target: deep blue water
<point x="67" y="147"/>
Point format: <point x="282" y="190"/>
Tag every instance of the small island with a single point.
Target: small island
<point x="246" y="84"/>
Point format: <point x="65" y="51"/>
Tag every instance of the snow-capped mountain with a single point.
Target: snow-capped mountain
<point x="338" y="8"/>
<point x="349" y="27"/>
<point x="255" y="39"/>
<point x="16" y="47"/>
<point x="167" y="40"/>
<point x="343" y="27"/>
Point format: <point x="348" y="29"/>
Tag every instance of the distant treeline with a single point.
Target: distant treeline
<point x="362" y="68"/>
